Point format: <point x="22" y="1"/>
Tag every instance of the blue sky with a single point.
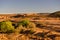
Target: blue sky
<point x="23" y="6"/>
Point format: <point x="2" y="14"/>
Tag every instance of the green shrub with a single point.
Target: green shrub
<point x="6" y="27"/>
<point x="24" y="23"/>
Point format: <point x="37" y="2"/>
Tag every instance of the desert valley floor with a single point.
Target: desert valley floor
<point x="45" y="27"/>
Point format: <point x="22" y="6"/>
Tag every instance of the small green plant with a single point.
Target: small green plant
<point x="24" y="23"/>
<point x="27" y="24"/>
<point x="6" y="27"/>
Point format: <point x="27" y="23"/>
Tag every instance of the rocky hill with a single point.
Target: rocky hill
<point x="55" y="14"/>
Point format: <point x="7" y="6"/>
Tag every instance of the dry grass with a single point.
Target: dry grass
<point x="48" y="22"/>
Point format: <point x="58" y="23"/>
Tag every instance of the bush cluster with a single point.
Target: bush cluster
<point x="8" y="27"/>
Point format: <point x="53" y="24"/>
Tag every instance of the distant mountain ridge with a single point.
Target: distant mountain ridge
<point x="55" y="14"/>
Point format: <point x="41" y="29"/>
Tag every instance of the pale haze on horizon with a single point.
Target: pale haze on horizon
<point x="26" y="6"/>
